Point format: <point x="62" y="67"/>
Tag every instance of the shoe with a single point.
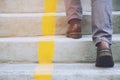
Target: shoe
<point x="74" y="31"/>
<point x="104" y="55"/>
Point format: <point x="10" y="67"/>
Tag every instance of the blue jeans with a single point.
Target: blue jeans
<point x="101" y="18"/>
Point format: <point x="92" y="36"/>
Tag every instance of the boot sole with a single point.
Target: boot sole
<point x="74" y="35"/>
<point x="105" y="61"/>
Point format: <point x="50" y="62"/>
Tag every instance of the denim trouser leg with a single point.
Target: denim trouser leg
<point x="101" y="17"/>
<point x="102" y="20"/>
<point x="73" y="9"/>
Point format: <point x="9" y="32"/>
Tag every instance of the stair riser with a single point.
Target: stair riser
<point x="16" y="77"/>
<point x="30" y="25"/>
<point x="66" y="50"/>
<point x="22" y="6"/>
<point x="62" y="77"/>
<point x="59" y="72"/>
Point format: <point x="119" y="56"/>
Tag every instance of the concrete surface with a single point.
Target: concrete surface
<point x="59" y="72"/>
<point x="12" y="25"/>
<point x="25" y="49"/>
<point x="35" y="6"/>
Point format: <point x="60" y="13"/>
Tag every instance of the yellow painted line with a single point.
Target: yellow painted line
<point x="50" y="5"/>
<point x="49" y="21"/>
<point x="43" y="72"/>
<point x="46" y="52"/>
<point x="45" y="55"/>
<point x="48" y="25"/>
<point x="46" y="48"/>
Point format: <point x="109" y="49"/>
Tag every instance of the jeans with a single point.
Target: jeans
<point x="101" y="18"/>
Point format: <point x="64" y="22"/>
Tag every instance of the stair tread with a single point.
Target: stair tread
<point x="63" y="69"/>
<point x="25" y="49"/>
<point x="45" y="14"/>
<point x="116" y="37"/>
<point x="38" y="6"/>
<point x="29" y="24"/>
<point x="79" y="71"/>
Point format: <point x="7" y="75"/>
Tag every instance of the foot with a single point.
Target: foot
<point x="74" y="31"/>
<point x="104" y="55"/>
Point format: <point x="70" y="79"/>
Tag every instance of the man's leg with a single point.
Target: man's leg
<point x="74" y="16"/>
<point x="102" y="31"/>
<point x="101" y="20"/>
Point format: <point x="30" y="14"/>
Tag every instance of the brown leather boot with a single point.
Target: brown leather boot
<point x="104" y="55"/>
<point x="74" y="31"/>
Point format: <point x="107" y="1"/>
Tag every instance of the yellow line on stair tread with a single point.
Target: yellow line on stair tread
<point x="48" y="25"/>
<point x="44" y="72"/>
<point x="44" y="77"/>
<point x="50" y="5"/>
<point x="46" y="48"/>
<point x="46" y="52"/>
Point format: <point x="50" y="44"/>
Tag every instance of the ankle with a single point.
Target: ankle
<point x="74" y="21"/>
<point x="103" y="45"/>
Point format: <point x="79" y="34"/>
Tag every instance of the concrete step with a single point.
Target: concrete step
<point x="24" y="6"/>
<point x="25" y="49"/>
<point x="30" y="24"/>
<point x="59" y="72"/>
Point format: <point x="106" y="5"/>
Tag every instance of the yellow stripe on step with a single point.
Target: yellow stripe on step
<point x="49" y="21"/>
<point x="46" y="48"/>
<point x="43" y="72"/>
<point x="50" y="5"/>
<point x="45" y="56"/>
<point x="46" y="52"/>
<point x="48" y="25"/>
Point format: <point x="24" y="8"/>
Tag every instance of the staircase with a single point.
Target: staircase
<point x="21" y="32"/>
